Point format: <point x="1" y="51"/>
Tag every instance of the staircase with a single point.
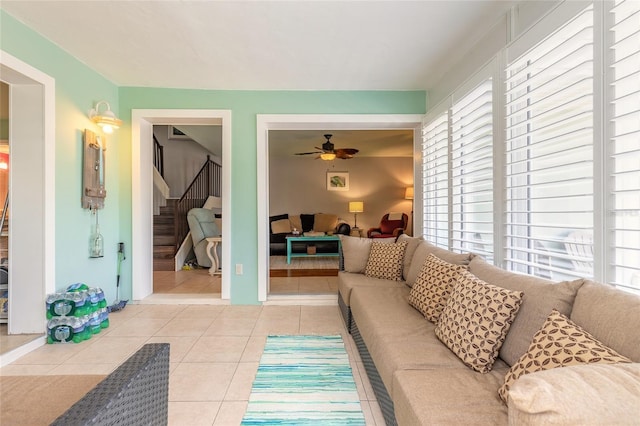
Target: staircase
<point x="164" y="240"/>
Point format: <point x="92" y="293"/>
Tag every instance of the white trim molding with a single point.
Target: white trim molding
<point x="328" y="122"/>
<point x="142" y="122"/>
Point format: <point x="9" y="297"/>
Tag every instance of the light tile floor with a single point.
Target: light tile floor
<point x="215" y="351"/>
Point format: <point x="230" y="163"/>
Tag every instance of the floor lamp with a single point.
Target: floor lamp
<point x="408" y="195"/>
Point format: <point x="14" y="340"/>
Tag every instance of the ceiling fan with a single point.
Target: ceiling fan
<point x="329" y="152"/>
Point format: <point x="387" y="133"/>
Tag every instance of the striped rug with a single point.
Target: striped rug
<point x="304" y="380"/>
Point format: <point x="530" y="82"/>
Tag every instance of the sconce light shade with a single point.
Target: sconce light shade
<point x="408" y="193"/>
<point x="106" y="119"/>
<point x="356" y="206"/>
<point x="328" y="156"/>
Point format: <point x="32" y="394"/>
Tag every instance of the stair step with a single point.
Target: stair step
<point x="163" y="264"/>
<point x="164" y="240"/>
<point x="166" y="211"/>
<point x="164" y="252"/>
<point x="163" y="229"/>
<point x="163" y="220"/>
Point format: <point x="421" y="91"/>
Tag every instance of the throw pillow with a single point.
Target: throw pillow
<point x="559" y="343"/>
<point x="476" y="319"/>
<point x="325" y="222"/>
<point x="307" y="222"/>
<point x="296" y="223"/>
<point x="433" y="286"/>
<point x="356" y="250"/>
<point x="420" y="255"/>
<point x="282" y="226"/>
<point x="385" y="260"/>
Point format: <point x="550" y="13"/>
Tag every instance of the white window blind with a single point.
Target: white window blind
<point x="549" y="154"/>
<point x="435" y="175"/>
<point x="472" y="172"/>
<point x="623" y="24"/>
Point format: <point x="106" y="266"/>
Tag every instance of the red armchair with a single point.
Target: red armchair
<point x="389" y="228"/>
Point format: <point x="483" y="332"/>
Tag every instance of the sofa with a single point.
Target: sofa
<point x="284" y="224"/>
<point x="458" y="356"/>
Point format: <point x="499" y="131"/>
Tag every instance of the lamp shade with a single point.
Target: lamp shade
<point x="106" y="119"/>
<point x="356" y="206"/>
<point x="408" y="193"/>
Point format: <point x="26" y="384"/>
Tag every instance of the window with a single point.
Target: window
<point x="435" y="175"/>
<point x="549" y="155"/>
<point x="622" y="21"/>
<point x="472" y="172"/>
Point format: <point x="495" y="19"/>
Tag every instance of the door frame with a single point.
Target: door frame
<point x="32" y="256"/>
<point x="324" y="122"/>
<point x="142" y="122"/>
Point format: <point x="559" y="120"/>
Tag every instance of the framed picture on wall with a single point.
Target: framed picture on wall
<point x="337" y="181"/>
<point x="175" y="133"/>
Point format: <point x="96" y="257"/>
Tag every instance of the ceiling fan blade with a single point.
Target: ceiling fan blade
<point x="307" y="153"/>
<point x="349" y="151"/>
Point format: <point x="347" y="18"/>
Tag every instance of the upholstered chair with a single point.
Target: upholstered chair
<point x="203" y="224"/>
<point x="391" y="225"/>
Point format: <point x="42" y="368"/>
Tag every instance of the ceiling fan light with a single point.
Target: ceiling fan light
<point x="328" y="156"/>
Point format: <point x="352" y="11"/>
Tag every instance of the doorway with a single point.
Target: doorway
<point x="31" y="258"/>
<point x="321" y="122"/>
<point x="142" y="190"/>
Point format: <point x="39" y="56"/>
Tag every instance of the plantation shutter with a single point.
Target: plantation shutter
<point x="435" y="175"/>
<point x="472" y="172"/>
<point x="549" y="154"/>
<point x="623" y="24"/>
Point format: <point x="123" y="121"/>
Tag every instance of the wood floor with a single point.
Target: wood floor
<point x="303" y="273"/>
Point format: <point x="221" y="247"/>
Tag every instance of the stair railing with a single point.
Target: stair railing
<point x="208" y="182"/>
<point x="158" y="156"/>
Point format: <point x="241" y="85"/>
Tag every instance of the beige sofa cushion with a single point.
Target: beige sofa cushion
<point x="579" y="395"/>
<point x="385" y="260"/>
<point x="559" y="343"/>
<point x="617" y="322"/>
<point x="323" y="222"/>
<point x="476" y="320"/>
<point x="412" y="245"/>
<point x="396" y="335"/>
<point x="355" y="252"/>
<point x="296" y="222"/>
<point x="540" y="298"/>
<point x="423" y="250"/>
<point x="347" y="281"/>
<point x="433" y="286"/>
<point x="282" y="226"/>
<point x="448" y="396"/>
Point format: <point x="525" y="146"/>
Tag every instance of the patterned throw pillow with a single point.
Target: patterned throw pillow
<point x="476" y="319"/>
<point x="433" y="286"/>
<point x="559" y="343"/>
<point x="385" y="260"/>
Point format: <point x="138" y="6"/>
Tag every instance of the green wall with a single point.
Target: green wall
<point x="79" y="87"/>
<point x="245" y="106"/>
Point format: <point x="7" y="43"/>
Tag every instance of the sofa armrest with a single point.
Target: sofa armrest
<point x="590" y="394"/>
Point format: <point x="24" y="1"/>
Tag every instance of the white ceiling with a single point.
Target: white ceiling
<point x="265" y="45"/>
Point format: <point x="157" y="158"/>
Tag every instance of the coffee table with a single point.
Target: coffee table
<point x="301" y="238"/>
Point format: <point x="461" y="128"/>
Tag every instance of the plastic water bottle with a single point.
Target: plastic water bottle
<point x="59" y="305"/>
<point x="104" y="318"/>
<point x="65" y="329"/>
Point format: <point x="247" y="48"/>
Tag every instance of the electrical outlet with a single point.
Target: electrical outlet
<point x="238" y="268"/>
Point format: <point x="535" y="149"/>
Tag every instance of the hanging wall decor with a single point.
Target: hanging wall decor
<point x="93" y="178"/>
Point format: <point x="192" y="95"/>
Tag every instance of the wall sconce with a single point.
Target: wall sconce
<point x="356" y="207"/>
<point x="107" y="120"/>
<point x="408" y="193"/>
